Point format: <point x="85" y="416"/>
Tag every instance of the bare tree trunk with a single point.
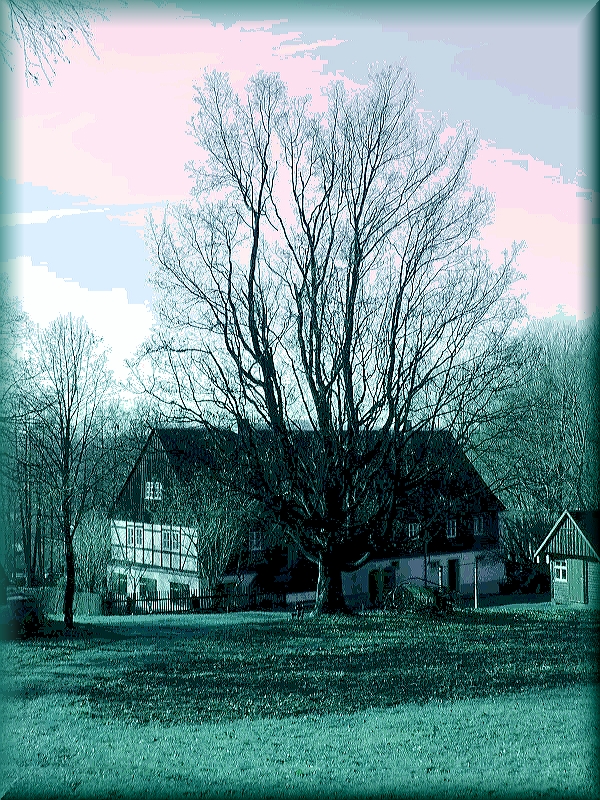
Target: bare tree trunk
<point x="25" y="513"/>
<point x="330" y="594"/>
<point x="70" y="574"/>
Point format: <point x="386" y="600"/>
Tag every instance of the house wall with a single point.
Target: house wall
<point x="567" y="591"/>
<point x="582" y="585"/>
<point x="593" y="583"/>
<point x="568" y="539"/>
<point x="165" y="553"/>
<point x="358" y="586"/>
<point x="152" y="466"/>
<point x="164" y="578"/>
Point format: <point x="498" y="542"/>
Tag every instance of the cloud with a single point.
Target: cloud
<point x="40" y="217"/>
<point x="121" y="324"/>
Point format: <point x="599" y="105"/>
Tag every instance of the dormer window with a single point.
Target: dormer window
<point x="477" y="526"/>
<point x="256" y="542"/>
<point x="451" y="528"/>
<point x="153" y="490"/>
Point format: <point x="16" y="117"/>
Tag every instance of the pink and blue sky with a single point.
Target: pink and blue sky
<point x="89" y="155"/>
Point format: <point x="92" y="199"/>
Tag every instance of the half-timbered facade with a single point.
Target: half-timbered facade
<point x="572" y="550"/>
<point x="150" y="551"/>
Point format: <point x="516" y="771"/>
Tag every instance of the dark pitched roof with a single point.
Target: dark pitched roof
<point x="191" y="448"/>
<point x="188" y="449"/>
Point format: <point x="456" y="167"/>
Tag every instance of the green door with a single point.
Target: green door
<point x="575" y="580"/>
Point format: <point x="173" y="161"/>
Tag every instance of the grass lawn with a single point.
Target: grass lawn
<point x="488" y="703"/>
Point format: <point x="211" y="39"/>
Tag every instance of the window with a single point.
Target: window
<point x="414" y="529"/>
<point x="179" y="591"/>
<point x="119" y="583"/>
<point x="256" y="542"/>
<point x="451" y="528"/>
<point x="153" y="490"/>
<point x="477" y="526"/>
<point x="147" y="588"/>
<point x="292" y="555"/>
<point x="560" y="571"/>
<point x="170" y="539"/>
<point x="130" y="539"/>
<point x="139" y="536"/>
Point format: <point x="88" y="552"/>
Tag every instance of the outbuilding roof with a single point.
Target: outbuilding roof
<point x="576" y="533"/>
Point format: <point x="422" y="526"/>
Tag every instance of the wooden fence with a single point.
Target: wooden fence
<point x="120" y="605"/>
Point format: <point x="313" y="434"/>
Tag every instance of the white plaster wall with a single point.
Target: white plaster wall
<point x="142" y="562"/>
<point x="491" y="572"/>
<point x="163" y="578"/>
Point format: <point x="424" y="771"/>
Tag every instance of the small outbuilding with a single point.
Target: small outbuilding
<point x="571" y="549"/>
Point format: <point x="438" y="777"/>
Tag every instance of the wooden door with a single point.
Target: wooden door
<point x="575" y="574"/>
<point x="453" y="577"/>
<point x="375" y="587"/>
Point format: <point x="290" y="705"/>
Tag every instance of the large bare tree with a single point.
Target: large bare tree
<point x="43" y="29"/>
<point x="63" y="388"/>
<point x="325" y="297"/>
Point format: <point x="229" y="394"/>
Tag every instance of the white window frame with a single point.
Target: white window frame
<point x="559" y="568"/>
<point x="139" y="535"/>
<point x="256" y="544"/>
<point x="170" y="539"/>
<point x="414" y="530"/>
<point x="153" y="490"/>
<point x="451" y="528"/>
<point x="478" y="526"/>
<point x="130" y="535"/>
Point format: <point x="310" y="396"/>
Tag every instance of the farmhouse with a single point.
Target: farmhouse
<point x="452" y="523"/>
<point x="572" y="550"/>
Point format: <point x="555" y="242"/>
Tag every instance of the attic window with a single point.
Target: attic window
<point x="414" y="529"/>
<point x="256" y="542"/>
<point x="560" y="571"/>
<point x="153" y="490"/>
<point x="477" y="526"/>
<point x="451" y="528"/>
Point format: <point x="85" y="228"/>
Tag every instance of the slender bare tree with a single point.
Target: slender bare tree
<point x="63" y="386"/>
<point x="325" y="297"/>
<point x="548" y="457"/>
<point x="92" y="551"/>
<point x="216" y="520"/>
